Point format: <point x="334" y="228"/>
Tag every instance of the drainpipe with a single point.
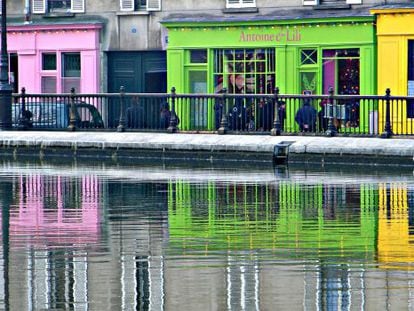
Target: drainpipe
<point x="27" y="12"/>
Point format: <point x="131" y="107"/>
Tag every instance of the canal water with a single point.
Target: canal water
<point x="121" y="237"/>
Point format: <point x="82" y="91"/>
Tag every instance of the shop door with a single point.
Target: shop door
<point x="137" y="72"/>
<point x="197" y="80"/>
<point x="14" y="72"/>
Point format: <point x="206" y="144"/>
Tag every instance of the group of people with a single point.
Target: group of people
<point x="242" y="118"/>
<point x="308" y="117"/>
<point x="137" y="119"/>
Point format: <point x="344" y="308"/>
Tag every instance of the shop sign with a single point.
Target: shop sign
<point x="283" y="35"/>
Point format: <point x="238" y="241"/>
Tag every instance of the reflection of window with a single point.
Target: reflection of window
<point x="240" y="3"/>
<point x="58" y="6"/>
<point x="140" y="5"/>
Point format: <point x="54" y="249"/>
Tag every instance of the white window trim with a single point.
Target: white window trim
<point x="354" y="1"/>
<point x="39" y="6"/>
<point x="77" y="6"/>
<point x="310" y="2"/>
<point x="153" y="5"/>
<point x="126" y="5"/>
<point x="230" y="4"/>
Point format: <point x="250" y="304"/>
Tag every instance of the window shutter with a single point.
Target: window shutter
<point x="354" y="1"/>
<point x="78" y="6"/>
<point x="153" y="5"/>
<point x="241" y="3"/>
<point x="127" y="5"/>
<point x="310" y="2"/>
<point x="39" y="6"/>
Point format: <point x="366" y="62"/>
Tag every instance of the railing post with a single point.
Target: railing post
<point x="25" y="115"/>
<point x="172" y="128"/>
<point x="224" y="125"/>
<point x="331" y="130"/>
<point x="276" y="130"/>
<point x="121" y="125"/>
<point x="72" y="119"/>
<point x="387" y="128"/>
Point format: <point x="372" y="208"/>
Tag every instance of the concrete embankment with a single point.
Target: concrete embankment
<point x="243" y="149"/>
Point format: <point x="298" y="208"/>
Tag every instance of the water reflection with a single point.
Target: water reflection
<point x="151" y="238"/>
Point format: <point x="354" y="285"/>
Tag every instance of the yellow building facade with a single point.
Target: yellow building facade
<point x="395" y="43"/>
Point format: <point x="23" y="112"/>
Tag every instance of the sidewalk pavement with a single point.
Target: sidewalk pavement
<point x="182" y="146"/>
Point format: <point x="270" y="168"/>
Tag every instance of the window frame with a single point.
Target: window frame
<point x="131" y="6"/>
<point x="238" y="4"/>
<point x="41" y="7"/>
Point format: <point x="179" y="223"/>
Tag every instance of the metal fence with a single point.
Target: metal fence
<point x="356" y="115"/>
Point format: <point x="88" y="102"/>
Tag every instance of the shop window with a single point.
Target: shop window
<point x="249" y="71"/>
<point x="198" y="56"/>
<point x="410" y="79"/>
<point x="309" y="57"/>
<point x="58" y="6"/>
<point x="240" y="4"/>
<point x="71" y="71"/>
<point x="140" y="5"/>
<point x="341" y="71"/>
<point x="49" y="84"/>
<point x="49" y="61"/>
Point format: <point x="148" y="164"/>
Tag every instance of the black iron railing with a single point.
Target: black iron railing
<point x="330" y="115"/>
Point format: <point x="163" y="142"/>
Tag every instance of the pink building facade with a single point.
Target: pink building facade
<point x="54" y="58"/>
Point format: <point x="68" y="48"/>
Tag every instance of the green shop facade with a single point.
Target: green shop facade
<point x="254" y="57"/>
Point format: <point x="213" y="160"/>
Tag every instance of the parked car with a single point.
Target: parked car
<point x="57" y="115"/>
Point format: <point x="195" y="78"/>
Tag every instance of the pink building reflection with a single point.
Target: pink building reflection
<point x="56" y="211"/>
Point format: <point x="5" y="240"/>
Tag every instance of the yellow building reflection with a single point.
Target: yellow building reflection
<point x="395" y="242"/>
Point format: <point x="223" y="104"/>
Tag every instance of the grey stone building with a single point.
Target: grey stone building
<point x="131" y="38"/>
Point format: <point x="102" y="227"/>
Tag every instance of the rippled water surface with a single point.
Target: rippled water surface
<point x="85" y="237"/>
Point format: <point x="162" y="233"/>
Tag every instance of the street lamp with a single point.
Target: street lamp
<point x="5" y="87"/>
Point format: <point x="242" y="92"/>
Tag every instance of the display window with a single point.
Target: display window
<point x="244" y="71"/>
<point x="341" y="69"/>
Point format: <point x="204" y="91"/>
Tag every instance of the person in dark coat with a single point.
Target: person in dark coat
<point x="135" y="115"/>
<point x="237" y="116"/>
<point x="306" y="117"/>
<point x="323" y="121"/>
<point x="282" y="113"/>
<point x="165" y="115"/>
<point x="218" y="110"/>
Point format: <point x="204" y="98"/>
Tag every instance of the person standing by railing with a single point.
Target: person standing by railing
<point x="306" y="117"/>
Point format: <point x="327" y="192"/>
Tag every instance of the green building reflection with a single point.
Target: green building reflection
<point x="307" y="221"/>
